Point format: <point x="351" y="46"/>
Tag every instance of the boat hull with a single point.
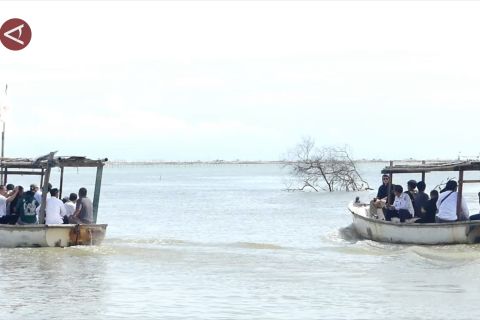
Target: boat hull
<point x="62" y="235"/>
<point x="413" y="233"/>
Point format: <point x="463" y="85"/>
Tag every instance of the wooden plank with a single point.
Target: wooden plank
<point x="464" y="166"/>
<point x="26" y="173"/>
<point x="471" y="181"/>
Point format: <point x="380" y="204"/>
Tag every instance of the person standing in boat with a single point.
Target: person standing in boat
<point x="402" y="206"/>
<point x="5" y="199"/>
<point x="54" y="209"/>
<point x="84" y="210"/>
<point x="26" y="207"/>
<point x="447" y="204"/>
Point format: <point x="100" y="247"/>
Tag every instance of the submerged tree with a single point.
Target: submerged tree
<point x="328" y="168"/>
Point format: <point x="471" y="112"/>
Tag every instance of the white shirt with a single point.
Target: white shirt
<point x="3" y="206"/>
<point x="404" y="202"/>
<point x="38" y="196"/>
<point x="447" y="210"/>
<point x="54" y="211"/>
<point x="70" y="207"/>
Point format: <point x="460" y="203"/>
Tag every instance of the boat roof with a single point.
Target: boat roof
<point x="433" y="166"/>
<point x="41" y="162"/>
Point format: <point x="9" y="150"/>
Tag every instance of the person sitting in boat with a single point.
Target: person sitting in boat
<point x="84" y="209"/>
<point x="447" y="204"/>
<point x="26" y="207"/>
<point x="411" y="185"/>
<point x="70" y="206"/>
<point x="402" y="206"/>
<point x="476" y="216"/>
<point x="54" y="209"/>
<point x="420" y="200"/>
<point x="4" y="200"/>
<point x="383" y="190"/>
<point x="430" y="209"/>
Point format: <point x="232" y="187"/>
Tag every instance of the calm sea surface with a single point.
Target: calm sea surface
<point x="228" y="242"/>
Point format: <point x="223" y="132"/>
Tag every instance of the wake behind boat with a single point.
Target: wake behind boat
<point x="51" y="235"/>
<point x="369" y="226"/>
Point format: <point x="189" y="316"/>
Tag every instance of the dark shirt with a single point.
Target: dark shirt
<point x="382" y="191"/>
<point x="431" y="210"/>
<point x="26" y="207"/>
<point x="421" y="200"/>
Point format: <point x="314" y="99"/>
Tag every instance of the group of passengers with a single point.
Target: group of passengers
<point x="22" y="208"/>
<point x="415" y="203"/>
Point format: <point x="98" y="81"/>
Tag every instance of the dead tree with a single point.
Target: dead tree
<point x="327" y="168"/>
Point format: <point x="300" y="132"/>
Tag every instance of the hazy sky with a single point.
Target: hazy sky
<point x="243" y="80"/>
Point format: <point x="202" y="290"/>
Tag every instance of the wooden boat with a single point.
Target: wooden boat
<point x="58" y="235"/>
<point x="372" y="228"/>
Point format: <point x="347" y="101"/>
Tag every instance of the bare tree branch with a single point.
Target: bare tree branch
<point x="330" y="167"/>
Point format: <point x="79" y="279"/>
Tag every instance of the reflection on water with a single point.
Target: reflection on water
<point x="225" y="242"/>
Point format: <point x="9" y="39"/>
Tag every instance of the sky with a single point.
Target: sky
<point x="207" y="80"/>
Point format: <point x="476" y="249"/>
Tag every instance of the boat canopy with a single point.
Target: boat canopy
<point x="425" y="167"/>
<point x="41" y="166"/>
<point x="432" y="166"/>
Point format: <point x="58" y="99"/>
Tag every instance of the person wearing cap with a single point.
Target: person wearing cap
<point x="402" y="206"/>
<point x="447" y="204"/>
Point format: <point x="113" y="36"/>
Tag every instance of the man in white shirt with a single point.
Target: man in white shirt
<point x="447" y="204"/>
<point x="71" y="204"/>
<point x="402" y="206"/>
<point x="4" y="199"/>
<point x="55" y="209"/>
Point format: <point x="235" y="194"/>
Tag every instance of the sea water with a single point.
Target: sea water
<point x="230" y="242"/>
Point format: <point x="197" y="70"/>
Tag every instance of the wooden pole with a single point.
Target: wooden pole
<point x="389" y="189"/>
<point x="423" y="173"/>
<point x="41" y="178"/>
<point x="61" y="183"/>
<point x="96" y="194"/>
<point x="459" y="193"/>
<point x="41" y="214"/>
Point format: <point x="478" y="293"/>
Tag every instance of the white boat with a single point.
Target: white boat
<point x="370" y="227"/>
<point x="412" y="233"/>
<point x="58" y="235"/>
